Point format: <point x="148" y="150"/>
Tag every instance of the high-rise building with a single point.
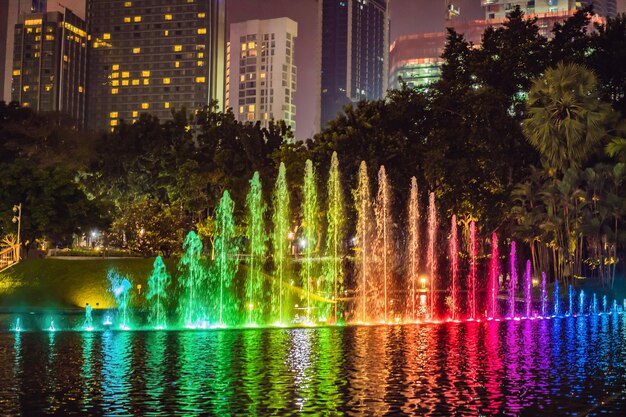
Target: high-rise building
<point x="496" y="9"/>
<point x="10" y="10"/>
<point x="49" y="63"/>
<point x="416" y="59"/>
<point x="355" y="52"/>
<point x="261" y="72"/>
<point x="153" y="56"/>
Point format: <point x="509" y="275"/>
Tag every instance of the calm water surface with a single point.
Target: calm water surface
<point x="573" y="366"/>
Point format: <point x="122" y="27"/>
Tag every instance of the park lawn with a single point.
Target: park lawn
<point x="41" y="284"/>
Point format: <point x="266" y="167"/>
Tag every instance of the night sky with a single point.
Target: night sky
<point x="407" y="16"/>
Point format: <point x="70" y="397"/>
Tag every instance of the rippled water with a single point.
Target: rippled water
<point x="574" y="366"/>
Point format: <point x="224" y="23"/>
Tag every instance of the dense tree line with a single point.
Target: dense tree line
<point x="522" y="134"/>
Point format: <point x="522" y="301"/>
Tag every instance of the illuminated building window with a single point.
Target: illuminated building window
<point x="115" y="67"/>
<point x="243" y="47"/>
<point x="145" y="106"/>
<point x="178" y="48"/>
<point x="135" y="113"/>
<point x="166" y="33"/>
<point x="125" y="74"/>
<point x="262" y="75"/>
<point x="26" y="88"/>
<point x="81" y="89"/>
<point x="251" y="108"/>
<point x="115" y="83"/>
<point x="242" y="78"/>
<point x="240" y="109"/>
<point x="115" y="75"/>
<point x="201" y="15"/>
<point x="251" y="45"/>
<point x="137" y="19"/>
<point x="49" y="37"/>
<point x="146" y="81"/>
<point x="166" y="104"/>
<point x="65" y="58"/>
<point x="145" y="73"/>
<point x="201" y="31"/>
<point x="177" y="64"/>
<point x="166" y="81"/>
<point x="48" y="87"/>
<point x="200" y="54"/>
<point x="128" y="4"/>
<point x="114" y="91"/>
<point x="17" y="72"/>
<point x="26" y="104"/>
<point x="32" y="22"/>
<point x="124" y="83"/>
<point x="168" y="17"/>
<point x="106" y="36"/>
<point x="113" y="115"/>
<point x="136" y="50"/>
<point x="135" y="82"/>
<point x="113" y="122"/>
<point x="127" y="19"/>
<point x="200" y="63"/>
<point x="200" y="79"/>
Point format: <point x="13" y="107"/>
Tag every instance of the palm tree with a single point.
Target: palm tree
<point x="566" y="120"/>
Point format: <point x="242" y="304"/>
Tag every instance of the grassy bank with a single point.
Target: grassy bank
<point x="67" y="284"/>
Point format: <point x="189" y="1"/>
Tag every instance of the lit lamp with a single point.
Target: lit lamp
<point x="423" y="282"/>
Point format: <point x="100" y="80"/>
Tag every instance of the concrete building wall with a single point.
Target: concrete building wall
<point x="262" y="74"/>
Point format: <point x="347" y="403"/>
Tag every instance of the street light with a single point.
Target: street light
<point x="17" y="218"/>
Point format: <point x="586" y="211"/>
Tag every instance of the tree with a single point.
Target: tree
<point x="566" y="120"/>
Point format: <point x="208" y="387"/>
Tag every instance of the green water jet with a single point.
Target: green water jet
<point x="192" y="277"/>
<point x="255" y="232"/>
<point x="158" y="283"/>
<point x="280" y="243"/>
<point x="333" y="270"/>
<point x="310" y="212"/>
<point x="226" y="258"/>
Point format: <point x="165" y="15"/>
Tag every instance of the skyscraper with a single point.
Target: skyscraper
<point x="9" y="13"/>
<point x="262" y="75"/>
<point x="355" y="52"/>
<point x="153" y="56"/>
<point x="496" y="9"/>
<point x="49" y="63"/>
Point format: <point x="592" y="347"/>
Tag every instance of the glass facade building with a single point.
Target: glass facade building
<point x="355" y="53"/>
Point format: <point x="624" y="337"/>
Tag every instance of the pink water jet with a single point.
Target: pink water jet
<point x="513" y="280"/>
<point x="494" y="273"/>
<point x="472" y="272"/>
<point x="527" y="285"/>
<point x="454" y="266"/>
<point x="432" y="256"/>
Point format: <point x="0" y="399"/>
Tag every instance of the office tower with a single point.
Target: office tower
<point x="153" y="56"/>
<point x="355" y="52"/>
<point x="496" y="9"/>
<point x="10" y="10"/>
<point x="416" y="59"/>
<point x="49" y="65"/>
<point x="262" y="75"/>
